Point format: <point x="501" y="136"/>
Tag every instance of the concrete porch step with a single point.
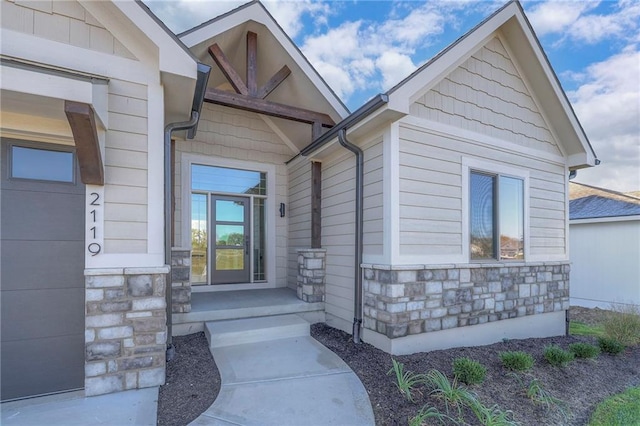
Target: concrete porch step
<point x="252" y="330"/>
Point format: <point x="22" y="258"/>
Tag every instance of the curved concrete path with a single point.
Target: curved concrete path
<point x="292" y="381"/>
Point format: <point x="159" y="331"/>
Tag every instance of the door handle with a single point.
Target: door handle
<point x="246" y="244"/>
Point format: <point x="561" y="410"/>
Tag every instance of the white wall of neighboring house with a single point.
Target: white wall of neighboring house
<point x="605" y="256"/>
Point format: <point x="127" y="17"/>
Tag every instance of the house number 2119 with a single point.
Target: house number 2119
<point x="94" y="205"/>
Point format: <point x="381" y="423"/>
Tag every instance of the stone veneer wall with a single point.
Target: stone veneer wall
<point x="401" y="301"/>
<point x="125" y="329"/>
<point x="180" y="280"/>
<point x="311" y="275"/>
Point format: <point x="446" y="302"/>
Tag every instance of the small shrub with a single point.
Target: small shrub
<point x="584" y="350"/>
<point x="557" y="356"/>
<point x="453" y="395"/>
<point x="493" y="416"/>
<point x="405" y="381"/>
<point x="623" y="324"/>
<point x="538" y="394"/>
<point x="468" y="371"/>
<point x="610" y="346"/>
<point x="516" y="360"/>
<point x="427" y="416"/>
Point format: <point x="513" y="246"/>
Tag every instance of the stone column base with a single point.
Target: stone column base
<point x="311" y="275"/>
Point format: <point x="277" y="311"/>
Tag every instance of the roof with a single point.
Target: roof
<point x="589" y="202"/>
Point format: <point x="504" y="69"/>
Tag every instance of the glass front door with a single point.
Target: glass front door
<point x="230" y="239"/>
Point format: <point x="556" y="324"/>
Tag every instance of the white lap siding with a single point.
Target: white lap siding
<point x="431" y="194"/>
<point x="238" y="135"/>
<point x="338" y="226"/>
<point x="125" y="161"/>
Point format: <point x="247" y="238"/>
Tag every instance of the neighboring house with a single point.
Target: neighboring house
<point x="605" y="246"/>
<point x="433" y="216"/>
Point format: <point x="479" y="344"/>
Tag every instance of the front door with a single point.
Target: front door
<point x="231" y="232"/>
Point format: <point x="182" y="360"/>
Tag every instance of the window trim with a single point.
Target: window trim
<point x="189" y="159"/>
<point x="496" y="169"/>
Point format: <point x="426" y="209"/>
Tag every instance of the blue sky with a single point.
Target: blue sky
<point x="363" y="47"/>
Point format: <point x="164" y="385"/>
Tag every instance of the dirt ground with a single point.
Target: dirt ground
<point x="193" y="380"/>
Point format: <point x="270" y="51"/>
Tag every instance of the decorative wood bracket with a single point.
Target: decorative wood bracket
<point x="249" y="97"/>
<point x="82" y="120"/>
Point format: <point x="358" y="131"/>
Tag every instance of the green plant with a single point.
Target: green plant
<point x="584" y="350"/>
<point x="468" y="371"/>
<point x="623" y="324"/>
<point x="538" y="394"/>
<point x="580" y="329"/>
<point x="516" y="360"/>
<point x="557" y="356"/>
<point x="452" y="394"/>
<point x="406" y="381"/>
<point x="610" y="346"/>
<point x="621" y="409"/>
<point x="493" y="416"/>
<point x="430" y="413"/>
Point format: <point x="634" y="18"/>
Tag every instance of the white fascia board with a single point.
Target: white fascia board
<point x="172" y="58"/>
<point x="632" y="218"/>
<point x="257" y="13"/>
<point x="406" y="93"/>
<point x="36" y="83"/>
<point x="582" y="160"/>
<point x="64" y="56"/>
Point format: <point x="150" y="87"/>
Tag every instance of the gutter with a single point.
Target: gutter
<point x="340" y="131"/>
<point x="191" y="127"/>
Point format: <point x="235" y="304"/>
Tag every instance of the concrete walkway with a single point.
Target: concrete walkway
<point x="290" y="381"/>
<point x="135" y="407"/>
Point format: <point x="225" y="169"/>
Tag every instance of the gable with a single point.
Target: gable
<point x="62" y="21"/>
<point x="486" y="94"/>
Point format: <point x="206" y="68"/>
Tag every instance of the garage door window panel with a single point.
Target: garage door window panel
<point x="42" y="164"/>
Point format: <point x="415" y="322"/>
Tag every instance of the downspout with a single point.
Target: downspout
<point x="357" y="300"/>
<point x="190" y="126"/>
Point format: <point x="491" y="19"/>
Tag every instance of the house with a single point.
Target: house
<point x="604" y="233"/>
<point x="191" y="167"/>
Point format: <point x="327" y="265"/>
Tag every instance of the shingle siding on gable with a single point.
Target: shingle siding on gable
<point x="64" y="21"/>
<point x="486" y="94"/>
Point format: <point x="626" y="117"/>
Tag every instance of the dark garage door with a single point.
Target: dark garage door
<point x="42" y="270"/>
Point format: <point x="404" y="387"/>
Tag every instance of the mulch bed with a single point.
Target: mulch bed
<point x="193" y="380"/>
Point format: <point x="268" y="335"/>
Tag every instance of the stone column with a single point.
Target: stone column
<point x="125" y="329"/>
<point x="311" y="274"/>
<point x="180" y="280"/>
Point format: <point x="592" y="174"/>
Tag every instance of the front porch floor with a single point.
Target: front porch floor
<point x="235" y="304"/>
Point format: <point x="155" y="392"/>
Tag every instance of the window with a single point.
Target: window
<point x="41" y="164"/>
<point x="496" y="216"/>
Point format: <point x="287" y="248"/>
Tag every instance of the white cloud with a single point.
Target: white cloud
<point x="574" y="20"/>
<point x="181" y="15"/>
<point x="373" y="56"/>
<point x="556" y="16"/>
<point x="394" y="67"/>
<point x="608" y="106"/>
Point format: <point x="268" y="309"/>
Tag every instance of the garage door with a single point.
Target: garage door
<point x="42" y="270"/>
